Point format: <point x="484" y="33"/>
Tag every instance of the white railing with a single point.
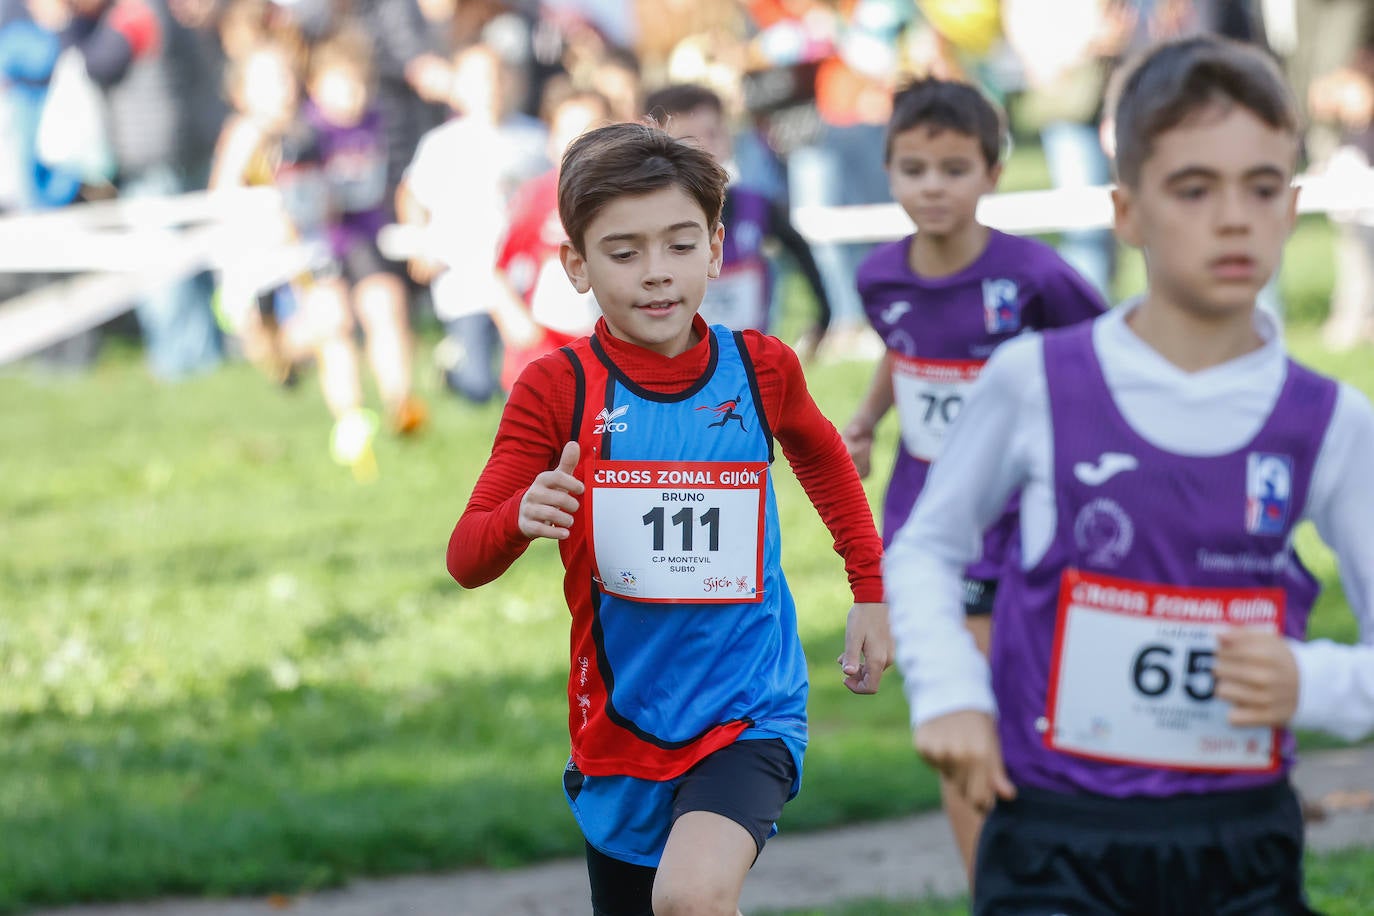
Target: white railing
<point x="124" y="249"/>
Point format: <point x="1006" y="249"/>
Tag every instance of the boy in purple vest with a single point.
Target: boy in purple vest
<point x="942" y="299"/>
<point x="1132" y="738"/>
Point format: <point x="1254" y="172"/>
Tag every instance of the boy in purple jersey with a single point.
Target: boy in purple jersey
<point x="362" y="285"/>
<point x="1132" y="740"/>
<point x="942" y="300"/>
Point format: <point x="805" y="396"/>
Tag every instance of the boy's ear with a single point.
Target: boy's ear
<point x="717" y="251"/>
<point x="1125" y="215"/>
<point x="1293" y="193"/>
<point x="575" y="266"/>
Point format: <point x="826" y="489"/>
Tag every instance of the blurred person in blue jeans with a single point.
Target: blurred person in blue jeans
<point x="165" y="116"/>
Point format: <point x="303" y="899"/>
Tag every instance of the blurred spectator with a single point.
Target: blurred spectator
<point x="843" y="166"/>
<point x="456" y="189"/>
<point x="263" y="144"/>
<point x="30" y="42"/>
<point x="1066" y="49"/>
<point x="1341" y="106"/>
<point x="348" y="127"/>
<point x="407" y="68"/>
<point x="165" y="116"/>
<point x="741" y="297"/>
<point x="529" y="269"/>
<point x="615" y="73"/>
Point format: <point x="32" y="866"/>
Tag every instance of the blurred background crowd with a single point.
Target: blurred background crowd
<point x="414" y="144"/>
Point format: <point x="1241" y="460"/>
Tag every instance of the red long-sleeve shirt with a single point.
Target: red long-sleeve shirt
<point x="537" y="423"/>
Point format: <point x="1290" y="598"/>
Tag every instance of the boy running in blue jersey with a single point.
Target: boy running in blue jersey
<point x="942" y="299"/>
<point x="1150" y="654"/>
<point x="687" y="685"/>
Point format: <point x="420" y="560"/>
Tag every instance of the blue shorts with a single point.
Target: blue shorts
<point x="629" y="819"/>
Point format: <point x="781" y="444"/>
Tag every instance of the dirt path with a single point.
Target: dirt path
<point x="901" y="859"/>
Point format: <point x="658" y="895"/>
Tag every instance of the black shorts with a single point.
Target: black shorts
<point x="747" y="782"/>
<point x="363" y="259"/>
<point x="1229" y="854"/>
<point x="979" y="594"/>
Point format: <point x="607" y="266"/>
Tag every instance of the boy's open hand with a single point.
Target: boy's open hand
<point x="546" y="509"/>
<point x="963" y="746"/>
<point x="868" y="648"/>
<point x="1257" y="674"/>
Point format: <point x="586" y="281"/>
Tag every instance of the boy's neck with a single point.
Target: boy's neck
<point x="943" y="255"/>
<point x="1191" y="341"/>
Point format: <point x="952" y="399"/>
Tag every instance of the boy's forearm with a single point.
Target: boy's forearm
<point x="485" y="543"/>
<point x="879" y="398"/>
<point x="942" y="670"/>
<point x="833" y="486"/>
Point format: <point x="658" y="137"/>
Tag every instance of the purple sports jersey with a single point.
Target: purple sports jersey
<point x="1182" y="527"/>
<point x="942" y="329"/>
<point x="354" y="163"/>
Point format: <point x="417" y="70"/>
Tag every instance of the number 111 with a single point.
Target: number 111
<point x="710" y="518"/>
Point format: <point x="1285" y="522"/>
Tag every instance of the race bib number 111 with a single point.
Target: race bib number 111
<point x="679" y="532"/>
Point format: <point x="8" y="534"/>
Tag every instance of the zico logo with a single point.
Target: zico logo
<point x="608" y="421"/>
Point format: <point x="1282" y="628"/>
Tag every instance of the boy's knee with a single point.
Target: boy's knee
<point x="380" y="298"/>
<point x="683" y="898"/>
<point x="330" y="317"/>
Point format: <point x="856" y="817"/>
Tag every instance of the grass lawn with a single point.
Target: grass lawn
<point x="228" y="668"/>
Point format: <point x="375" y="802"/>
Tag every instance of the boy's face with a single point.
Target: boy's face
<point x="938" y="177"/>
<point x="340" y="92"/>
<point x="1211" y="210"/>
<point x="647" y="262"/>
<point x="478" y="84"/>
<point x="268" y="89"/>
<point x="706" y="127"/>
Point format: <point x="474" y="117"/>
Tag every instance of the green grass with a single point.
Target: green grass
<point x="228" y="668"/>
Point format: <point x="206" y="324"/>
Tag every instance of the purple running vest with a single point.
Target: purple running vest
<point x="1016" y="284"/>
<point x="1171" y="519"/>
<point x="353" y="160"/>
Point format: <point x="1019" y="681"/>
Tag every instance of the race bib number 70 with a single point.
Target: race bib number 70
<point x="1131" y="678"/>
<point x="679" y="532"/>
<point x="929" y="394"/>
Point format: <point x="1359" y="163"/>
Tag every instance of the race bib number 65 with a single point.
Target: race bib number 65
<point x="679" y="532"/>
<point x="1131" y="678"/>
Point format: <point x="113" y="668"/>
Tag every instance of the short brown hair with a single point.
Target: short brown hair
<point x="626" y="160"/>
<point x="940" y="105"/>
<point x="1170" y="82"/>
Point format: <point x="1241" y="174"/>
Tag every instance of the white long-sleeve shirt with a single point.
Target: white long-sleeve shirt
<point x="1003" y="441"/>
